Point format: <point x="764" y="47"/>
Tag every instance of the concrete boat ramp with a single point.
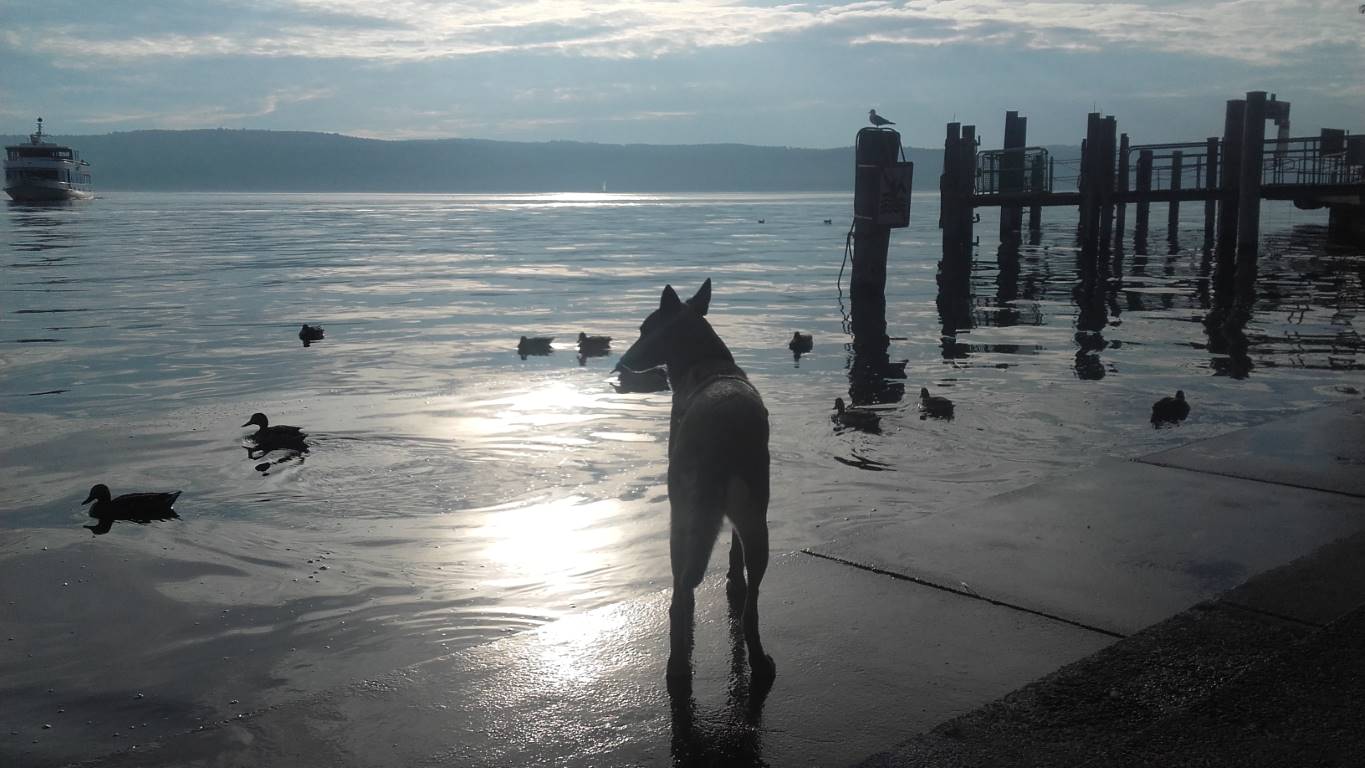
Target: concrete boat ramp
<point x="1199" y="606"/>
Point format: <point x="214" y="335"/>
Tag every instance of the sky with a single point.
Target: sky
<point x="674" y="71"/>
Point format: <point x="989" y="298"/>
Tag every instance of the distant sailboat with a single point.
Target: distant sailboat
<point x="604" y="187"/>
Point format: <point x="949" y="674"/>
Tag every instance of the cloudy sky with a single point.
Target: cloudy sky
<point x="673" y="71"/>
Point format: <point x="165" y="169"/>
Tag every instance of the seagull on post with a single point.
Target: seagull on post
<point x="876" y="119"/>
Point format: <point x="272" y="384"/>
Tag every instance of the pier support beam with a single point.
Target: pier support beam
<point x="1121" y="188"/>
<point x="1210" y="181"/>
<point x="1173" y="210"/>
<point x="1231" y="175"/>
<point x="876" y="151"/>
<point x="1249" y="190"/>
<point x="1037" y="177"/>
<point x="1012" y="175"/>
<point x="1144" y="194"/>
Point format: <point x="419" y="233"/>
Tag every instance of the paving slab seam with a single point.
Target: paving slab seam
<point x="1298" y="486"/>
<point x="964" y="593"/>
<point x="1225" y="602"/>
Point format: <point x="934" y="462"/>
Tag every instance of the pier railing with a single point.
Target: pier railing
<point x="1317" y="160"/>
<point x="1018" y="169"/>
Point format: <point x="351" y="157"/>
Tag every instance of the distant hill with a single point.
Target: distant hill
<point x="246" y="160"/>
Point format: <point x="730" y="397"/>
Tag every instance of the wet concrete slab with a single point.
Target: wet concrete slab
<point x="1117" y="547"/>
<point x="1323" y="449"/>
<point x="864" y="661"/>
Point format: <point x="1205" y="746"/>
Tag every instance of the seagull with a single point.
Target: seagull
<point x="876" y="119"/>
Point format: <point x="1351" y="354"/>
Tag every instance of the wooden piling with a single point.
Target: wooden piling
<point x="1173" y="210"/>
<point x="1090" y="183"/>
<point x="1105" y="176"/>
<point x="1036" y="179"/>
<point x="1249" y="188"/>
<point x="1121" y="187"/>
<point x="947" y="179"/>
<point x="876" y="150"/>
<point x="1210" y="184"/>
<point x="1231" y="175"/>
<point x="1012" y="174"/>
<point x="1144" y="192"/>
<point x="966" y="170"/>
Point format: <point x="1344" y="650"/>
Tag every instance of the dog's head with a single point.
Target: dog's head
<point x="657" y="331"/>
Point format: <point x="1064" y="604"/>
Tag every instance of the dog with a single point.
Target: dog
<point x="718" y="469"/>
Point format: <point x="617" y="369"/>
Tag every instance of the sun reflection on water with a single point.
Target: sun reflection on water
<point x="556" y="542"/>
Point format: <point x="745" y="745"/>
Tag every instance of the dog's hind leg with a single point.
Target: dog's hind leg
<point x="734" y="578"/>
<point x="753" y="533"/>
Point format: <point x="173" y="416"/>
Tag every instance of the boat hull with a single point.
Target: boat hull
<point x="30" y="192"/>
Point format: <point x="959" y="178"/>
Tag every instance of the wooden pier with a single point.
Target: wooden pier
<point x="1230" y="174"/>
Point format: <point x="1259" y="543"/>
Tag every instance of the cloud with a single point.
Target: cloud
<point x="209" y="116"/>
<point x="1261" y="32"/>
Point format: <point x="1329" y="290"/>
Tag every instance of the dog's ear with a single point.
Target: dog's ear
<point x="669" y="301"/>
<point x="701" y="301"/>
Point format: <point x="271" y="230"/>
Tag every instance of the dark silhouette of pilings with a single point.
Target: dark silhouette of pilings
<point x="957" y="185"/>
<point x="876" y="152"/>
<point x="1120" y="214"/>
<point x="1144" y="191"/>
<point x="1173" y="210"/>
<point x="1231" y="175"/>
<point x="1210" y="182"/>
<point x="1012" y="175"/>
<point x="1249" y="188"/>
<point x="1037" y="177"/>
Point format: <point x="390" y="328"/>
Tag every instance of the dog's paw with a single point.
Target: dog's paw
<point x="762" y="667"/>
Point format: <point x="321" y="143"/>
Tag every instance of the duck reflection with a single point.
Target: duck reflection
<point x="733" y="736"/>
<point x="140" y="508"/>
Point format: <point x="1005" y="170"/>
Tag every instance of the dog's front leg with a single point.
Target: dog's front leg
<point x="681" y="609"/>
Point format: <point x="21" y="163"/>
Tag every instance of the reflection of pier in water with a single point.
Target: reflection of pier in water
<point x="1309" y="297"/>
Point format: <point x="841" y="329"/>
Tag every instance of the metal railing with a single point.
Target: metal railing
<point x="1178" y="166"/>
<point x="1023" y="169"/>
<point x="1313" y="160"/>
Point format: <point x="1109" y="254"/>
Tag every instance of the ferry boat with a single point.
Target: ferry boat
<point x="41" y="171"/>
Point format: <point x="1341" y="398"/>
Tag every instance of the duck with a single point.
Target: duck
<point x="593" y="345"/>
<point x="310" y="333"/>
<point x="1170" y="410"/>
<point x="933" y="405"/>
<point x="534" y="345"/>
<point x="829" y="221"/>
<point x="652" y="380"/>
<point x="857" y="418"/>
<point x="801" y="342"/>
<point x="277" y="433"/>
<point x="135" y="507"/>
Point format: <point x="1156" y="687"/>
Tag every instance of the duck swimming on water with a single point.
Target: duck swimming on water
<point x="534" y="345"/>
<point x="267" y="433"/>
<point x="801" y="343"/>
<point x="857" y="418"/>
<point x="139" y="508"/>
<point x="592" y="346"/>
<point x="310" y="333"/>
<point x="933" y="405"/>
<point x="1170" y="410"/>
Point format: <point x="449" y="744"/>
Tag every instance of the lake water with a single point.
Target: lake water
<point x="454" y="492"/>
